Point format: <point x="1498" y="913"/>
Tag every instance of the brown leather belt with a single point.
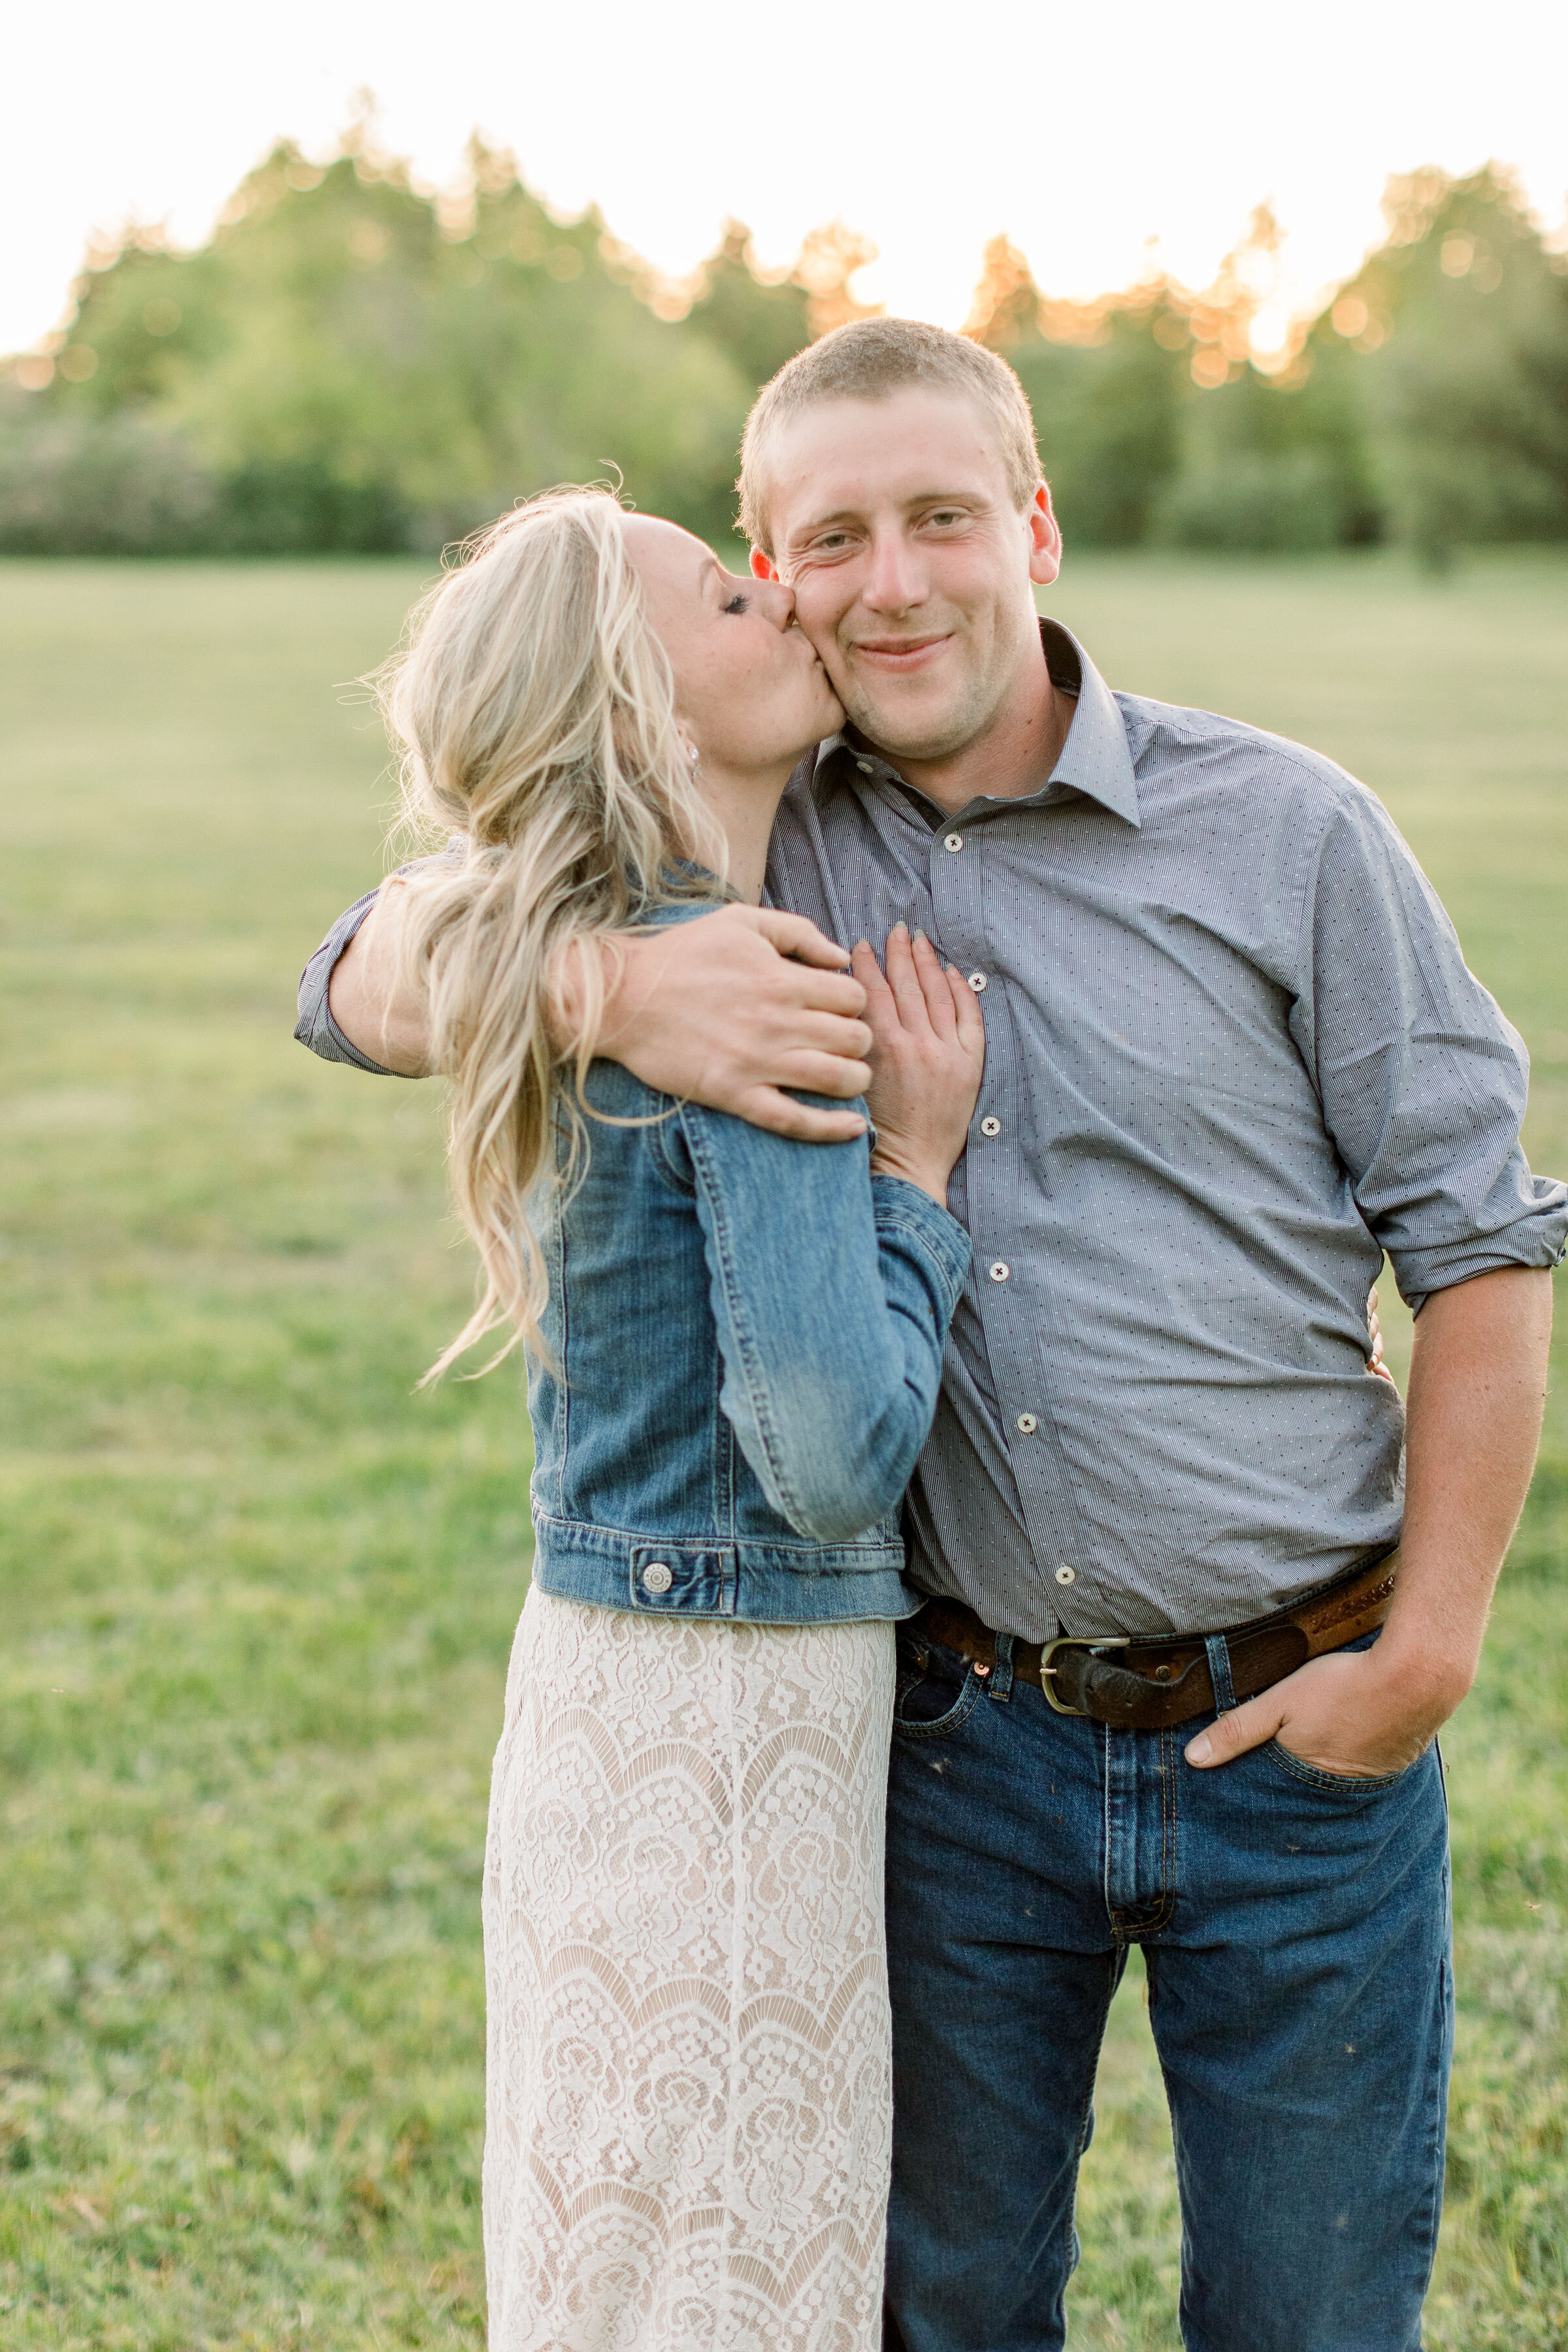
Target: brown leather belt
<point x="1148" y="1682"/>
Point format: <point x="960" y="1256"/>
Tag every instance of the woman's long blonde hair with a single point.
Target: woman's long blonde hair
<point x="535" y="709"/>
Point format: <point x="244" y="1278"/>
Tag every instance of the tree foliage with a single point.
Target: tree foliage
<point x="1428" y="403"/>
<point x="1455" y="334"/>
<point x="353" y="364"/>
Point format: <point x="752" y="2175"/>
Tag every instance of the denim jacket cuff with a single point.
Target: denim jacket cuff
<point x="904" y="1208"/>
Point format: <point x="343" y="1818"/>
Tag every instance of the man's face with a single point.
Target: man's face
<point x="912" y="569"/>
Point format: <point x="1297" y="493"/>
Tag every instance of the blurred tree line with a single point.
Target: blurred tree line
<point x="1427" y="403"/>
<point x="353" y="365"/>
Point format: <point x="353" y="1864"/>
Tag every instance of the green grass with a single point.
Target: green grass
<point x="258" y="1596"/>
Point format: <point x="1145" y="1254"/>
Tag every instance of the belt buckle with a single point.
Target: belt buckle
<point x="1074" y="1641"/>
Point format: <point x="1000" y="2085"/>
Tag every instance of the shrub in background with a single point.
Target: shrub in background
<point x="1256" y="505"/>
<point x="119" y="485"/>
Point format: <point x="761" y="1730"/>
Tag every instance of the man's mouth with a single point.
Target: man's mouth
<point x="898" y="655"/>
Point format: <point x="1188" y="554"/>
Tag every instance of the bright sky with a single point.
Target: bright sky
<point x="1083" y="132"/>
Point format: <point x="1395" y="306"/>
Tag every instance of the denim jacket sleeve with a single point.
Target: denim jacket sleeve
<point x="832" y="1290"/>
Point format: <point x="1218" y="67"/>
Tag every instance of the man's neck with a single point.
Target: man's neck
<point x="1012" y="756"/>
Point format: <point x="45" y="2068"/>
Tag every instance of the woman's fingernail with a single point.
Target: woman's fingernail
<point x="919" y="935"/>
<point x="862" y="943"/>
<point x="1201" y="1749"/>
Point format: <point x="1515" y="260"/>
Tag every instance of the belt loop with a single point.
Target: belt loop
<point x="1218" y="1649"/>
<point x="1001" y="1683"/>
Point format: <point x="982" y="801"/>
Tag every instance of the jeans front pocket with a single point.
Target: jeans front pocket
<point x="1338" y="1784"/>
<point x="1342" y="1784"/>
<point x="937" y="1691"/>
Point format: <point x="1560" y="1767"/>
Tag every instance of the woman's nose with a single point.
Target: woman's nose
<point x="781" y="604"/>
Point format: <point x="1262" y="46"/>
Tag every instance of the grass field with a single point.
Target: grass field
<point x="258" y="1597"/>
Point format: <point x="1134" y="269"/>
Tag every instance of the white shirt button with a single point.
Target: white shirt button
<point x="999" y="1270"/>
<point x="864" y="766"/>
<point x="977" y="981"/>
<point x="657" y="1577"/>
<point x="990" y="1127"/>
<point x="1028" y="1423"/>
<point x="954" y="843"/>
<point x="1065" y="1575"/>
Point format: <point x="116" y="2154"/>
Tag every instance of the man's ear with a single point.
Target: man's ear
<point x="1045" y="538"/>
<point x="763" y="566"/>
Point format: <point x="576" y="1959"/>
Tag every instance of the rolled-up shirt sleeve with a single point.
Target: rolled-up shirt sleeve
<point x="1422" y="1080"/>
<point x="315" y="1026"/>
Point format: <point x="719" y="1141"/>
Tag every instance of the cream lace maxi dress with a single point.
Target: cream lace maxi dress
<point x="688" y="2082"/>
<point x="688" y="2126"/>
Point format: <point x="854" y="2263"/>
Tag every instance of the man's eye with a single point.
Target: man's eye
<point x="946" y="515"/>
<point x="739" y="603"/>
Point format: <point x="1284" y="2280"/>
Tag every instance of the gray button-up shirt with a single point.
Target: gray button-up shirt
<point x="1232" y="1054"/>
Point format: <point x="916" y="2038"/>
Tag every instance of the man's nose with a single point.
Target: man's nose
<point x="894" y="579"/>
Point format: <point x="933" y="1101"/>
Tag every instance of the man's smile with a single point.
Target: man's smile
<point x="898" y="655"/>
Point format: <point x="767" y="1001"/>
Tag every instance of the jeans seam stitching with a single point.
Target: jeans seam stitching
<point x="1168" y="1824"/>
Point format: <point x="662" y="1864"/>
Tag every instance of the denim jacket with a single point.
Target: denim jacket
<point x="746" y="1336"/>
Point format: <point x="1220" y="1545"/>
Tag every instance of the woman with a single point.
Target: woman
<point x="735" y="1346"/>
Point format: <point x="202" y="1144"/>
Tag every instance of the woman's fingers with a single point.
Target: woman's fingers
<point x="904" y="980"/>
<point x="933" y="986"/>
<point x="881" y="1012"/>
<point x="869" y="972"/>
<point x="966" y="1014"/>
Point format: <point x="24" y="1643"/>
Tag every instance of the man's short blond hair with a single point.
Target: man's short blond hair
<point x="872" y="359"/>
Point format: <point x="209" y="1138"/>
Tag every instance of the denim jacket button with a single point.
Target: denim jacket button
<point x="657" y="1577"/>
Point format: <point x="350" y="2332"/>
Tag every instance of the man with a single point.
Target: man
<point x="1167" y="1690"/>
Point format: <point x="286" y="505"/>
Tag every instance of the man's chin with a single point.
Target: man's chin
<point x="911" y="728"/>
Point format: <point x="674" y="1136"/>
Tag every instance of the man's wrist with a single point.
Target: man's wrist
<point x="1423" y="1683"/>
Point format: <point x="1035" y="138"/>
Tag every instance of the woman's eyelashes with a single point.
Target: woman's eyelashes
<point x="739" y="603"/>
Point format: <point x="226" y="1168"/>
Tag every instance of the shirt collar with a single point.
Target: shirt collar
<point x="1095" y="759"/>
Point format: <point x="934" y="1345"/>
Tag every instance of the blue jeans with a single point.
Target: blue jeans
<point x="1295" y="1929"/>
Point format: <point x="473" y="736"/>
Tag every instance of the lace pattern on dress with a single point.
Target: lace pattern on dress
<point x="688" y="2086"/>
